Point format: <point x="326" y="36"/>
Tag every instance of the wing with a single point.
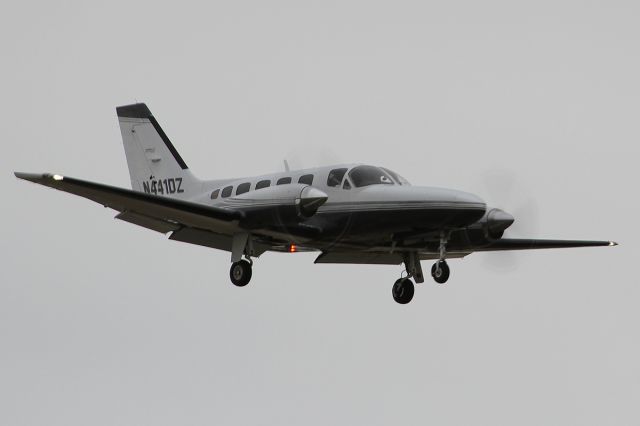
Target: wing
<point x="530" y="244"/>
<point x="385" y="256"/>
<point x="377" y="256"/>
<point x="159" y="213"/>
<point x="188" y="222"/>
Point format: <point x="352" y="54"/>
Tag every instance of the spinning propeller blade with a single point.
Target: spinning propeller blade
<point x="504" y="190"/>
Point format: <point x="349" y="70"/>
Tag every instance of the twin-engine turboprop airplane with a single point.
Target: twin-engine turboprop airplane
<point x="351" y="213"/>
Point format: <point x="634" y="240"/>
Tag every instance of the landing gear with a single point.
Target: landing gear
<point x="240" y="273"/>
<point x="440" y="271"/>
<point x="403" y="288"/>
<point x="402" y="291"/>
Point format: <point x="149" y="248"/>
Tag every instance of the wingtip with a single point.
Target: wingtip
<point x="37" y="177"/>
<point x="29" y="176"/>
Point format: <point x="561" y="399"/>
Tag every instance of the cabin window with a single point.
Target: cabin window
<point x="369" y="175"/>
<point x="263" y="184"/>
<point x="214" y="194"/>
<point x="242" y="188"/>
<point x="226" y="191"/>
<point x="335" y="177"/>
<point x="284" y="181"/>
<point x="306" y="179"/>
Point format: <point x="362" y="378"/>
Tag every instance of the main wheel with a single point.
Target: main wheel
<point x="402" y="291"/>
<point x="440" y="274"/>
<point x="240" y="273"/>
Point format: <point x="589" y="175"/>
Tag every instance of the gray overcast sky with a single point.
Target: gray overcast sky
<point x="105" y="323"/>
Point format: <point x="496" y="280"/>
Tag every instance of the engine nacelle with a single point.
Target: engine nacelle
<point x="280" y="204"/>
<point x="490" y="227"/>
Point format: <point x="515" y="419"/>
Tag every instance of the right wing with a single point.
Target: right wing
<point x="159" y="213"/>
<point x="532" y="244"/>
<point x="385" y="256"/>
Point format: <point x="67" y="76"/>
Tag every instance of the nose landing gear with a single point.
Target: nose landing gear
<point x="440" y="269"/>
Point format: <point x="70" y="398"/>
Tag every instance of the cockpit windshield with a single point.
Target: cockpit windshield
<point x="399" y="179"/>
<point x="369" y="175"/>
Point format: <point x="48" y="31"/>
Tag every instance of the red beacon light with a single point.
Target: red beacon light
<point x="292" y="248"/>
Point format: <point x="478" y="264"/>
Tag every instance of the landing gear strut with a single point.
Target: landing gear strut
<point x="440" y="269"/>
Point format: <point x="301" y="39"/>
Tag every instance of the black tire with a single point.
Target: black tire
<point x="240" y="273"/>
<point x="440" y="276"/>
<point x="402" y="291"/>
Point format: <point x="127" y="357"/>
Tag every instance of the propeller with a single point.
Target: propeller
<point x="504" y="190"/>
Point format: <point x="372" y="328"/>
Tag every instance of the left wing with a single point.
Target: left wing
<point x="155" y="212"/>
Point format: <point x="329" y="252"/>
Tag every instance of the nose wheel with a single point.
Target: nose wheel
<point x="403" y="290"/>
<point x="440" y="271"/>
<point x="240" y="273"/>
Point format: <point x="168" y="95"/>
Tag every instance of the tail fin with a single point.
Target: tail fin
<point x="154" y="164"/>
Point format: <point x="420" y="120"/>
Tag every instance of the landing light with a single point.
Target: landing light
<point x="58" y="177"/>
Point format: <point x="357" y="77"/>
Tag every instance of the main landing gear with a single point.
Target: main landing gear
<point x="240" y="272"/>
<point x="403" y="289"/>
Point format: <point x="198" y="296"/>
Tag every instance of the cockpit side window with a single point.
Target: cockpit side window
<point x="214" y="194"/>
<point x="335" y="177"/>
<point x="369" y="175"/>
<point x="399" y="179"/>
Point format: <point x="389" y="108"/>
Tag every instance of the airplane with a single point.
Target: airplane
<point x="349" y="213"/>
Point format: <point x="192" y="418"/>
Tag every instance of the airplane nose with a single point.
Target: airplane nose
<point x="465" y="197"/>
<point x="460" y="208"/>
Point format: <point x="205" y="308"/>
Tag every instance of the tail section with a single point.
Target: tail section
<point x="155" y="166"/>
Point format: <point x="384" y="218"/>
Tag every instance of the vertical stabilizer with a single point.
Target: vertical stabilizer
<point x="155" y="166"/>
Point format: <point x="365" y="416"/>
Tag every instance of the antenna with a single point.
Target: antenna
<point x="286" y="166"/>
